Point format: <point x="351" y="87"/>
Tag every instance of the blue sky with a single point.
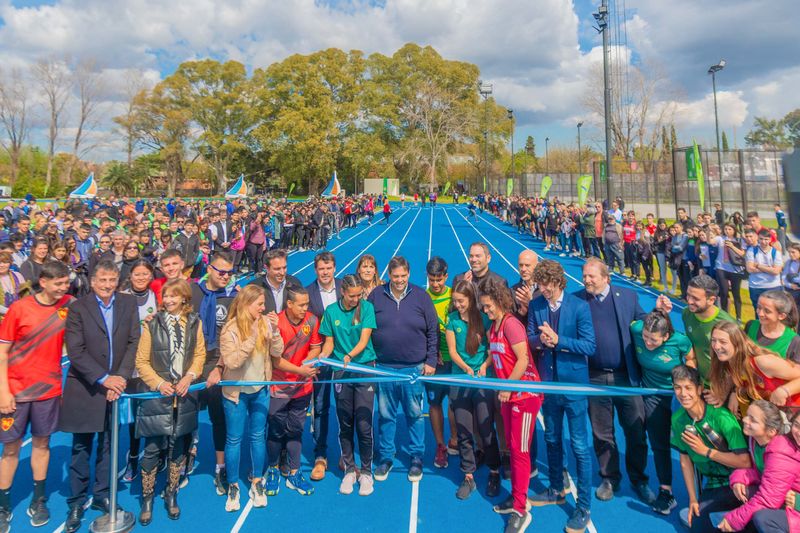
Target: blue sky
<point x="540" y="55"/>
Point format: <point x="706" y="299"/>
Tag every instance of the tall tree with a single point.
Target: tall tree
<point x="135" y="84"/>
<point x="219" y="100"/>
<point x="724" y="142"/>
<point x="54" y="80"/>
<point x="666" y="149"/>
<point x="792" y="122"/>
<point x="14" y="94"/>
<point x="768" y="133"/>
<point x="673" y="137"/>
<point x="88" y="87"/>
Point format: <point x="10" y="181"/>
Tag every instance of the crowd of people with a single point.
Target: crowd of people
<point x="143" y="298"/>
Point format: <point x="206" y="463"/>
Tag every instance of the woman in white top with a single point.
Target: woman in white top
<point x="10" y="282"/>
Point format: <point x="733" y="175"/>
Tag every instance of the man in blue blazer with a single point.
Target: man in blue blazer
<point x="322" y="292"/>
<point x="560" y="325"/>
<point x="613" y="309"/>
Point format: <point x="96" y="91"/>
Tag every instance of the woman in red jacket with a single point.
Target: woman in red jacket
<point x="762" y="488"/>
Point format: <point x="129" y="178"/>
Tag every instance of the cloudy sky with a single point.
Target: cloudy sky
<point x="538" y="54"/>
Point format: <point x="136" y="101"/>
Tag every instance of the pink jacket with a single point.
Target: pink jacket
<point x="781" y="474"/>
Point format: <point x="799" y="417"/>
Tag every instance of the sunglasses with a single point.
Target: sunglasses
<point x="222" y="272"/>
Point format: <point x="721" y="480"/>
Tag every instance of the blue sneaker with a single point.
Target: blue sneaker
<point x="273" y="483"/>
<point x="297" y="482"/>
<point x="578" y="521"/>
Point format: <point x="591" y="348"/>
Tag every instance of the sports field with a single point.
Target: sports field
<point x="396" y="505"/>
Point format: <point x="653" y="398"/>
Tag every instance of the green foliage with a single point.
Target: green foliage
<point x="768" y="134"/>
<point x="725" y="147"/>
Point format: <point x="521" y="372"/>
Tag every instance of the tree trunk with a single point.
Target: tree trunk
<point x="174" y="173"/>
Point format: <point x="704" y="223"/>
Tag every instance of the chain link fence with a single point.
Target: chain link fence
<point x="752" y="180"/>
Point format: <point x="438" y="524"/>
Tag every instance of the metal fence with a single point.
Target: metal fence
<point x="752" y="180"/>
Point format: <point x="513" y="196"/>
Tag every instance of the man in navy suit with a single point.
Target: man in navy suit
<point x="615" y="364"/>
<point x="560" y="325"/>
<point x="322" y="292"/>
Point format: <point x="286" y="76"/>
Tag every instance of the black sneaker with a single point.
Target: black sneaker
<point x="644" y="493"/>
<point x="415" y="470"/>
<point x="507" y="506"/>
<point x="5" y="520"/>
<point x="382" y="471"/>
<point x="665" y="502"/>
<point x="466" y="488"/>
<point x="517" y="523"/>
<point x="493" y="484"/>
<point x="131" y="469"/>
<point x="221" y="482"/>
<point x="39" y="513"/>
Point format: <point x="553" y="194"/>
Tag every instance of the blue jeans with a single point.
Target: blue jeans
<point x="391" y="396"/>
<point x="251" y="408"/>
<point x="755" y="294"/>
<point x="553" y="409"/>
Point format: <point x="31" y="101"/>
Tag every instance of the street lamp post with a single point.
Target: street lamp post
<point x="579" y="147"/>
<point x="546" y="156"/>
<point x="713" y="69"/>
<point x="485" y="89"/>
<point x="511" y="118"/>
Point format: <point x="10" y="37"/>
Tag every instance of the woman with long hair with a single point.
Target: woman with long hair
<point x="367" y="270"/>
<point x="473" y="409"/>
<point x="775" y="471"/>
<point x="729" y="267"/>
<point x="776" y="325"/>
<point x="32" y="267"/>
<point x="169" y="358"/>
<point x="347" y="326"/>
<point x="10" y="282"/>
<point x="742" y="371"/>
<point x="512" y="359"/>
<point x="247" y="342"/>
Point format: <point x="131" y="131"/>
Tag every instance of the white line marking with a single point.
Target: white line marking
<point x="430" y="236"/>
<point x="242" y="517"/>
<point x="401" y="242"/>
<point x="86" y="505"/>
<point x="489" y="242"/>
<point x="355" y="257"/>
<point x="412" y="514"/>
<point x="460" y="246"/>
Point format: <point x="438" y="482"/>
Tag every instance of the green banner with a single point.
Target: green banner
<point x="603" y="172"/>
<point x="446" y="187"/>
<point x="547" y="182"/>
<point x="291" y="188"/>
<point x="509" y="187"/>
<point x="701" y="182"/>
<point x="385" y="186"/>
<point x="584" y="184"/>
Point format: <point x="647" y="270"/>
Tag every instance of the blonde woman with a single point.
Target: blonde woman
<point x="247" y="342"/>
<point x="170" y="356"/>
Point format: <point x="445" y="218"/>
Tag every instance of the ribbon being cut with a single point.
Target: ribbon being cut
<point x="384" y="374"/>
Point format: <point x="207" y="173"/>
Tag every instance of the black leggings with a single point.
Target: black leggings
<point x="658" y="416"/>
<point x="730" y="281"/>
<point x="154" y="446"/>
<point x="354" y="409"/>
<point x="287" y="419"/>
<point x="255" y="252"/>
<point x="474" y="409"/>
<point x="212" y="398"/>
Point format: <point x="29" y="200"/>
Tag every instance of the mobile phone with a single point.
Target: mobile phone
<point x="689" y="428"/>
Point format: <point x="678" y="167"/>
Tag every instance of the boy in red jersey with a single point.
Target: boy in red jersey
<point x="31" y="344"/>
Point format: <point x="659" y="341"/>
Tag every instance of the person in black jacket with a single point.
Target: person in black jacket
<point x="97" y="375"/>
<point x="275" y="281"/>
<point x="170" y="357"/>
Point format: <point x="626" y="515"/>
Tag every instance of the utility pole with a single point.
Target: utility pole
<point x="601" y="17"/>
<point x="486" y="91"/>
<point x="511" y="118"/>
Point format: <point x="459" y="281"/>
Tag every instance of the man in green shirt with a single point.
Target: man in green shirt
<point x="699" y="318"/>
<point x="710" y="441"/>
<point x="441" y="296"/>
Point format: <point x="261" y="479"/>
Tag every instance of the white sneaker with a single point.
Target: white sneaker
<point x="365" y="485"/>
<point x="562" y="254"/>
<point x="232" y="503"/>
<point x="258" y="494"/>
<point x="348" y="481"/>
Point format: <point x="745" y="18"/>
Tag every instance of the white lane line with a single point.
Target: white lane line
<point x="430" y="236"/>
<point x="338" y="246"/>
<point x="355" y="257"/>
<point x="621" y="278"/>
<point x="86" y="505"/>
<point x="401" y="242"/>
<point x="460" y="246"/>
<point x="242" y="517"/>
<point x="412" y="514"/>
<point x="489" y="242"/>
<point x="572" y="489"/>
